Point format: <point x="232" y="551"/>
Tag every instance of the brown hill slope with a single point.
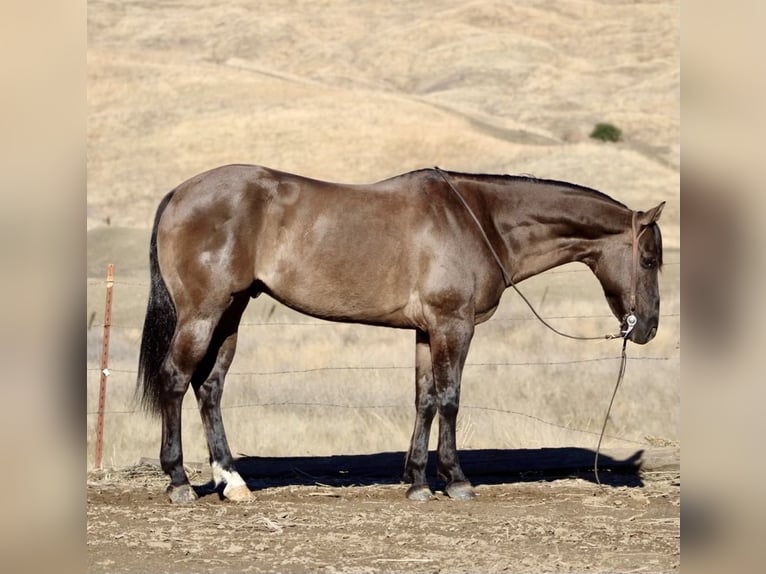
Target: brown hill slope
<point x="355" y="91"/>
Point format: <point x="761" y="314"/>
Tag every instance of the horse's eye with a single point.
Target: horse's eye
<point x="648" y="262"/>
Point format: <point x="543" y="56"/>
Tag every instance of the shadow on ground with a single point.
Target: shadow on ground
<point x="489" y="466"/>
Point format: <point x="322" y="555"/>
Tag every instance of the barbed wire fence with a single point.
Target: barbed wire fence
<point x="255" y="375"/>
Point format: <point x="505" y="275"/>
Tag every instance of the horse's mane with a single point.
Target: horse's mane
<point x="505" y="178"/>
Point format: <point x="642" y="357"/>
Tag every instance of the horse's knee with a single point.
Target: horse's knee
<point x="449" y="406"/>
<point x="426" y="405"/>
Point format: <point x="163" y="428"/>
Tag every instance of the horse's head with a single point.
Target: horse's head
<point x="628" y="268"/>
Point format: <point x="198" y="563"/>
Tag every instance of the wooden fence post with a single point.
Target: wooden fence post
<point x="104" y="365"/>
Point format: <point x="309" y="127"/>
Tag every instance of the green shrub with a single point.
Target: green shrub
<point x="606" y="132"/>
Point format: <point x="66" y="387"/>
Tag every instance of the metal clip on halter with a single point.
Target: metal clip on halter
<point x="631" y="320"/>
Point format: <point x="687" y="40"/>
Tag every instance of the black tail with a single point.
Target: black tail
<point x="159" y="326"/>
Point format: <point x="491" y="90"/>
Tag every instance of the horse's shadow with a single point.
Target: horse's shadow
<point x="483" y="467"/>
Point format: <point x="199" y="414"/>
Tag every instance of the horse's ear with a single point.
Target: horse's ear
<point x="646" y="218"/>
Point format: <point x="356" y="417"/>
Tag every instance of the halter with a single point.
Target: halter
<point x="630" y="319"/>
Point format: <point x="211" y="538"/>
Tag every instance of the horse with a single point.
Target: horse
<point x="428" y="250"/>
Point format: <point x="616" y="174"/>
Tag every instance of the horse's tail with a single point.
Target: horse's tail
<point x="159" y="326"/>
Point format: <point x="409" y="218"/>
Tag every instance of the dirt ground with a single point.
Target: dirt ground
<point x="553" y="525"/>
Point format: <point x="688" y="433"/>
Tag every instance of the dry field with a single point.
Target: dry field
<point x="359" y="91"/>
<point x="567" y="525"/>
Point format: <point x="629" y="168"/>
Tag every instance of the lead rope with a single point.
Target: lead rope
<point x="620" y="374"/>
<point x="630" y="319"/>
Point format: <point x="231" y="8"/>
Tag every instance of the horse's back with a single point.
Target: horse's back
<point x="338" y="251"/>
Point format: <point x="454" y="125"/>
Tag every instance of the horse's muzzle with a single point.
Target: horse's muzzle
<point x="643" y="331"/>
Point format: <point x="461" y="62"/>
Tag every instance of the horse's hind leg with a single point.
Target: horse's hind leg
<point x="190" y="344"/>
<point x="209" y="391"/>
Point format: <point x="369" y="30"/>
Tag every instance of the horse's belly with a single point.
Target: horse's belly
<point x="363" y="291"/>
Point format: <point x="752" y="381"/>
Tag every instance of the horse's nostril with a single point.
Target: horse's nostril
<point x="653" y="332"/>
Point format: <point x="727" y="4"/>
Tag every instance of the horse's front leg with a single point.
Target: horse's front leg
<point x="425" y="409"/>
<point x="449" y="348"/>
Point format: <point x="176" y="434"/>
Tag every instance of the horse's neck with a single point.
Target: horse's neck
<point x="547" y="227"/>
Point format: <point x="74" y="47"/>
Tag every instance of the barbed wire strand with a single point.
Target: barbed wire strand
<point x="406" y="367"/>
<point x="381" y="407"/>
<point x="139" y="283"/>
<point x="335" y="324"/>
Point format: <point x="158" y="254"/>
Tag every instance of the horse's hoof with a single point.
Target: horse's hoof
<point x="419" y="493"/>
<point x="238" y="493"/>
<point x="183" y="494"/>
<point x="460" y="490"/>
